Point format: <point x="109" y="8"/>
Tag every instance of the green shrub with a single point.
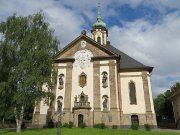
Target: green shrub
<point x="147" y="127"/>
<point x="66" y="125"/>
<point x="114" y="126"/>
<point x="100" y="126"/>
<point x="23" y="125"/>
<point x="50" y="124"/>
<point x="83" y="125"/>
<point x="70" y="124"/>
<point x="135" y="126"/>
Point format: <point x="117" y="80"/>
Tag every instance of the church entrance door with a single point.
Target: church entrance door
<point x="80" y="120"/>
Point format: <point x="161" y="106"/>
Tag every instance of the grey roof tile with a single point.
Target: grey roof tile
<point x="126" y="61"/>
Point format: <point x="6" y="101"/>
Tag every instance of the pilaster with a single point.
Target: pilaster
<point x="150" y="117"/>
<point x="112" y="82"/>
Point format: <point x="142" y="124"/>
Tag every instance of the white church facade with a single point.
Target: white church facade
<point x="97" y="83"/>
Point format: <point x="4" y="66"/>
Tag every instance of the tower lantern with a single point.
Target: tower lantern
<point x="99" y="30"/>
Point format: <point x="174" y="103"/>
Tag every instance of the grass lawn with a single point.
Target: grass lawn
<point x="87" y="131"/>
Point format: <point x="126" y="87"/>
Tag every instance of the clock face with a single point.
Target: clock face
<point x="83" y="58"/>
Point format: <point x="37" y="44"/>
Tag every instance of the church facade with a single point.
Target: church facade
<point x="97" y="83"/>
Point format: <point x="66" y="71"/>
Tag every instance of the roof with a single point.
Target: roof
<point x="83" y="36"/>
<point x="99" y="23"/>
<point x="126" y="62"/>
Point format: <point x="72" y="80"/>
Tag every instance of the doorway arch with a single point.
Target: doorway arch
<point x="80" y="120"/>
<point x="134" y="119"/>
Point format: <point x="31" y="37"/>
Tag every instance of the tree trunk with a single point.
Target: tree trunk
<point x="19" y="118"/>
<point x="3" y="123"/>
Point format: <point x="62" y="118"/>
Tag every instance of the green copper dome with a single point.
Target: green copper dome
<point x="99" y="23"/>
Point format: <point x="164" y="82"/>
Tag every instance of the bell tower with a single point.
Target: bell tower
<point x="99" y="31"/>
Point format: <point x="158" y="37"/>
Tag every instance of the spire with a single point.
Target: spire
<point x="99" y="23"/>
<point x="99" y="12"/>
<point x="99" y="30"/>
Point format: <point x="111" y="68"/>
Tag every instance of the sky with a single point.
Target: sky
<point x="147" y="30"/>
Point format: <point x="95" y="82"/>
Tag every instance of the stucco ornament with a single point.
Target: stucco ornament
<point x="83" y="44"/>
<point x="83" y="58"/>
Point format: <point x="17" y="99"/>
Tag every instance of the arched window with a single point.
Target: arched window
<point x="134" y="119"/>
<point x="132" y="93"/>
<point x="104" y="79"/>
<point x="99" y="40"/>
<point x="60" y="98"/>
<point x="61" y="81"/>
<point x="105" y="102"/>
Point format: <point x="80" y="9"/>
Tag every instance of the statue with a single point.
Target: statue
<point x="75" y="98"/>
<point x="61" y="79"/>
<point x="105" y="103"/>
<point x="59" y="103"/>
<point x="104" y="79"/>
<point x="61" y="82"/>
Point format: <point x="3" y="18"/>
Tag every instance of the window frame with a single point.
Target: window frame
<point x="130" y="96"/>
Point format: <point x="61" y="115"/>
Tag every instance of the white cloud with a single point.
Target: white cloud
<point x="66" y="22"/>
<point x="155" y="45"/>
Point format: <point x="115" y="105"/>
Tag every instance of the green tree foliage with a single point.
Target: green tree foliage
<point x="28" y="46"/>
<point x="163" y="104"/>
<point x="7" y="60"/>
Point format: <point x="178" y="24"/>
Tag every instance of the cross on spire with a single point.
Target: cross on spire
<point x="99" y="6"/>
<point x="99" y="11"/>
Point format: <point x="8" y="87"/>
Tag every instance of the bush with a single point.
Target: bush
<point x="23" y="125"/>
<point x="70" y="124"/>
<point x="100" y="126"/>
<point x="135" y="126"/>
<point x="66" y="125"/>
<point x="83" y="125"/>
<point x="114" y="126"/>
<point x="147" y="127"/>
<point x="50" y="124"/>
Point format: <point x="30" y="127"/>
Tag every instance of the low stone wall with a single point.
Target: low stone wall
<point x="28" y="124"/>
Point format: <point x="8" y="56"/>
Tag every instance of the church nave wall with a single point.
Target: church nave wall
<point x="127" y="107"/>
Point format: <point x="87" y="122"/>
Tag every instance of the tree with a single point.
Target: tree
<point x="175" y="87"/>
<point x="34" y="46"/>
<point x="7" y="60"/>
<point x="163" y="104"/>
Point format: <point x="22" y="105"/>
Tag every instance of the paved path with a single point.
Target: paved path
<point x="167" y="130"/>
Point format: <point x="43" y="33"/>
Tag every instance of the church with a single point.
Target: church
<point x="97" y="83"/>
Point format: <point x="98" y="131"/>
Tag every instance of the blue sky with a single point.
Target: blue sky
<point x="148" y="30"/>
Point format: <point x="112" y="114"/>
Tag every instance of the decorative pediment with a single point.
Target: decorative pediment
<point x="84" y="42"/>
<point x="81" y="102"/>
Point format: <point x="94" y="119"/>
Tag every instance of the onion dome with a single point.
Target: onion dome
<point x="99" y="23"/>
